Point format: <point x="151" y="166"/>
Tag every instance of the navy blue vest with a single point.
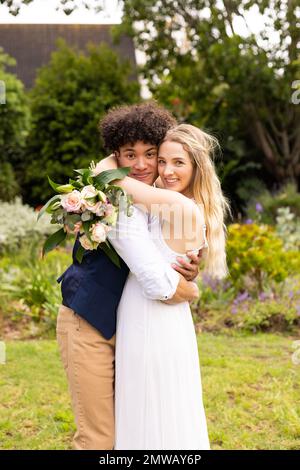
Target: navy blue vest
<point x="93" y="289"/>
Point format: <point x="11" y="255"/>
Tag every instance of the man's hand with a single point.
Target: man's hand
<point x="189" y="270"/>
<point x="186" y="291"/>
<point x="77" y="228"/>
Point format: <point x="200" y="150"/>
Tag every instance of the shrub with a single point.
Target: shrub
<point x="9" y="187"/>
<point x="70" y="96"/>
<point x="29" y="290"/>
<point x="263" y="208"/>
<point x="257" y="258"/>
<point x="14" y="118"/>
<point x="220" y="308"/>
<point x="19" y="226"/>
<point x="288" y="228"/>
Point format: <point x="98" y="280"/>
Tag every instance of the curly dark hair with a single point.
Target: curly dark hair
<point x="147" y="122"/>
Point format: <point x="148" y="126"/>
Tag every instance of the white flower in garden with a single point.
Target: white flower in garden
<point x="89" y="198"/>
<point x="86" y="243"/>
<point x="71" y="202"/>
<point x="99" y="232"/>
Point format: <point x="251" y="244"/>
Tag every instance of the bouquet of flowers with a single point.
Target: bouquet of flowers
<point x="88" y="205"/>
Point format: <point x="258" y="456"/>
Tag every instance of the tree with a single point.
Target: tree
<point x="14" y="128"/>
<point x="70" y="96"/>
<point x="68" y="6"/>
<point x="240" y="85"/>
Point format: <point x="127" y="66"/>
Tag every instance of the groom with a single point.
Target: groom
<point x="91" y="291"/>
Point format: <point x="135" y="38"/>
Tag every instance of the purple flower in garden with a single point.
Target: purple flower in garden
<point x="262" y="296"/>
<point x="226" y="285"/>
<point x="241" y="297"/>
<point x="291" y="294"/>
<point x="210" y="282"/>
<point x="249" y="221"/>
<point x="258" y="207"/>
<point x="234" y="310"/>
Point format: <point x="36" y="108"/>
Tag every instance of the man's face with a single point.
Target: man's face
<point x="142" y="158"/>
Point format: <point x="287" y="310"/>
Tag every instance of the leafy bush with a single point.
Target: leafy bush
<point x="257" y="258"/>
<point x="262" y="292"/>
<point x="28" y="286"/>
<point x="14" y="118"/>
<point x="263" y="208"/>
<point x="288" y="228"/>
<point x="9" y="187"/>
<point x="19" y="226"/>
<point x="70" y="96"/>
<point x="276" y="309"/>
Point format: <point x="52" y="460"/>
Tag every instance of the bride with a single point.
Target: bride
<point x="158" y="390"/>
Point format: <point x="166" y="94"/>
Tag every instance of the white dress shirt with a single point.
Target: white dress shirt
<point x="132" y="241"/>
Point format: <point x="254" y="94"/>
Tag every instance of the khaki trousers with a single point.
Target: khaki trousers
<point x="88" y="359"/>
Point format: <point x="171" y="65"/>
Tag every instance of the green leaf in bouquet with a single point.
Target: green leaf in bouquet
<point x="54" y="185"/>
<point x="79" y="253"/>
<point x="110" y="252"/>
<point x="86" y="176"/>
<point x="86" y="227"/>
<point x="65" y="188"/>
<point x="76" y="184"/>
<point x="81" y="171"/>
<point x="107" y="176"/>
<point x="54" y="240"/>
<point x="48" y="206"/>
<point x="72" y="219"/>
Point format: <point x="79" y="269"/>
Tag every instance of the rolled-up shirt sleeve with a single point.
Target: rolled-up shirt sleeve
<point x="132" y="241"/>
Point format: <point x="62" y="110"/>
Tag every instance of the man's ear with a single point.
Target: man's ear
<point x="116" y="153"/>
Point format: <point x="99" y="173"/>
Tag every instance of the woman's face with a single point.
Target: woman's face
<point x="175" y="168"/>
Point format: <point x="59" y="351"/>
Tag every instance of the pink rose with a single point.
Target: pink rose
<point x="99" y="232"/>
<point x="71" y="202"/>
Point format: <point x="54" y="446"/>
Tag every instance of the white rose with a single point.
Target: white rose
<point x="89" y="192"/>
<point x="86" y="243"/>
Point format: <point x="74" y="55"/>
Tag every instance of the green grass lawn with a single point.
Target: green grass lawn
<point x="251" y="391"/>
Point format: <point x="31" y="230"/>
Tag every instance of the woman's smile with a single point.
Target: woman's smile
<point x="175" y="167"/>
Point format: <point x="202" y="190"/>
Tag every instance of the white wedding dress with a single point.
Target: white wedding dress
<point x="158" y="390"/>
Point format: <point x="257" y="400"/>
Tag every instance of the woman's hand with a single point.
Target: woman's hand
<point x="108" y="163"/>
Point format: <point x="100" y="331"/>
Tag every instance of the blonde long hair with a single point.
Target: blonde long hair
<point x="206" y="189"/>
